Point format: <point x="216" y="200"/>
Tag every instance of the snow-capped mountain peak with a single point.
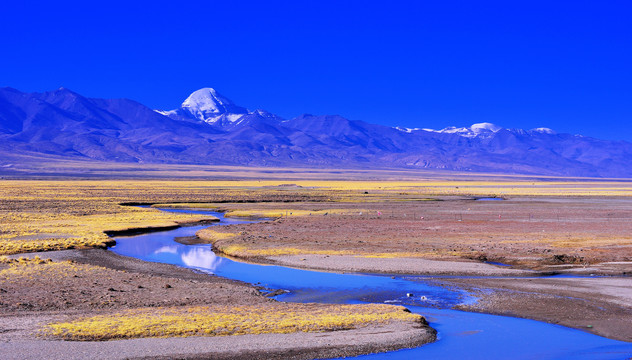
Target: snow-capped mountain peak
<point x="208" y="105"/>
<point x="208" y="100"/>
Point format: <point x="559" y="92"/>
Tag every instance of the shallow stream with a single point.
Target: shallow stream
<point x="461" y="335"/>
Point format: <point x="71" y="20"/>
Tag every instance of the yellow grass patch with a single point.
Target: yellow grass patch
<point x="24" y="246"/>
<point x="45" y="231"/>
<point x="577" y="242"/>
<point x="53" y="215"/>
<point x="277" y="213"/>
<point x="23" y="269"/>
<point x="245" y="252"/>
<point x="23" y="260"/>
<point x="227" y="320"/>
<point x="43" y="216"/>
<point x="448" y="187"/>
<point x="213" y="236"/>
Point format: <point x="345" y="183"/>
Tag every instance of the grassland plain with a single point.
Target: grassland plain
<point x="45" y="216"/>
<point x="50" y="215"/>
<point x="546" y="225"/>
<point x="542" y="233"/>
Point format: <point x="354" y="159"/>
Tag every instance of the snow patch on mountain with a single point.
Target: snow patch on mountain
<point x="476" y="130"/>
<point x="407" y="130"/>
<point x="165" y="113"/>
<point x="544" y="130"/>
<point x="485" y="127"/>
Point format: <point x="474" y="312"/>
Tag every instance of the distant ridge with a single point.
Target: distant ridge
<point x="208" y="128"/>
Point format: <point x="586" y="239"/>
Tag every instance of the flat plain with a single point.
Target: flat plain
<point x="373" y="223"/>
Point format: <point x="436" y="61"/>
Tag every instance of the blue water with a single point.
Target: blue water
<point x="462" y="335"/>
<point x="496" y="263"/>
<point x="482" y="336"/>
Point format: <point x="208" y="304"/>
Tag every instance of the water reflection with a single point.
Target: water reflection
<point x="161" y="247"/>
<point x="167" y="249"/>
<point x="202" y="258"/>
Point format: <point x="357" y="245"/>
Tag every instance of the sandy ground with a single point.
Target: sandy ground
<point x="600" y="305"/>
<point x="119" y="283"/>
<point x="265" y="346"/>
<point x="125" y="283"/>
<point x="537" y="236"/>
<point x="454" y="237"/>
<point x="530" y="233"/>
<point x="416" y="266"/>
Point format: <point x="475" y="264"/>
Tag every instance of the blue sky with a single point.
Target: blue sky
<point x="564" y="65"/>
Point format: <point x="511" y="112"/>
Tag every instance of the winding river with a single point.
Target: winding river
<point x="461" y="335"/>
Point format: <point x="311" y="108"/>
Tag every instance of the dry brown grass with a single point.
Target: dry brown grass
<point x="56" y="220"/>
<point x="529" y="231"/>
<point x="51" y="215"/>
<point x="227" y="320"/>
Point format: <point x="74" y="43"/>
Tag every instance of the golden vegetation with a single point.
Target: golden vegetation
<point x="44" y="216"/>
<point x="584" y="241"/>
<point x="52" y="215"/>
<point x="28" y="232"/>
<point x="227" y="320"/>
<point x="242" y="251"/>
<point x="258" y="317"/>
<point x="278" y="213"/>
<point x="212" y="236"/>
<point x="23" y="269"/>
<point x="245" y="252"/>
<point x="444" y="188"/>
<point x="23" y="260"/>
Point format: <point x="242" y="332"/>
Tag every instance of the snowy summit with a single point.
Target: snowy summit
<point x="207" y="104"/>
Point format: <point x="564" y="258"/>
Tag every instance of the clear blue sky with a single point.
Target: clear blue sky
<point x="560" y="64"/>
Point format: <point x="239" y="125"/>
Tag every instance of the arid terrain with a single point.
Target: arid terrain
<point x="540" y="233"/>
<point x="419" y="226"/>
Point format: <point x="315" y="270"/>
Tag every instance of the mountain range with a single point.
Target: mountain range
<point x="208" y="128"/>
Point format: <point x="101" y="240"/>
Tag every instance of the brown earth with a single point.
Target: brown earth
<point x="29" y="301"/>
<point x="116" y="283"/>
<point x="530" y="233"/>
<point x="538" y="236"/>
<point x="456" y="236"/>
